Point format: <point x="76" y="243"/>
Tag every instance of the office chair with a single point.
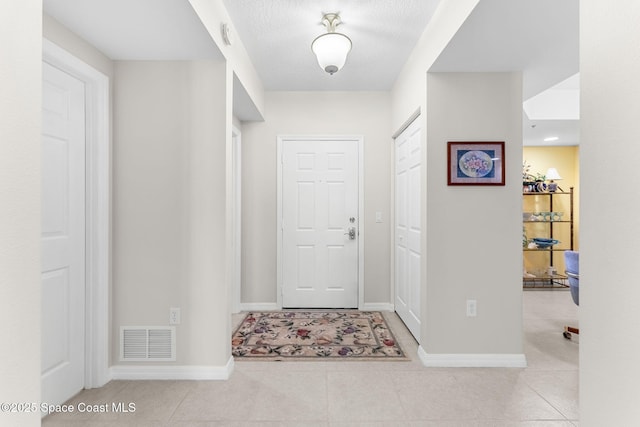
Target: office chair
<point x="571" y="262"/>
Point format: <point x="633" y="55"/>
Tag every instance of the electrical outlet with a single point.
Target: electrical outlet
<point x="378" y="216"/>
<point x="472" y="308"/>
<point x="174" y="316"/>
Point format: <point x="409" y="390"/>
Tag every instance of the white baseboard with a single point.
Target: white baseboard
<point x="169" y="372"/>
<point x="472" y="360"/>
<point x="272" y="306"/>
<point x="377" y="306"/>
<point x="259" y="306"/>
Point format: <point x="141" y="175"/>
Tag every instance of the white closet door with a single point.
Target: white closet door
<point x="407" y="227"/>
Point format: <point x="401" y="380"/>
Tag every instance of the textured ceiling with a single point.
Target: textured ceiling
<point x="278" y="35"/>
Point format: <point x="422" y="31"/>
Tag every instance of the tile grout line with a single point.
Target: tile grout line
<point x="547" y="400"/>
<point x="170" y="419"/>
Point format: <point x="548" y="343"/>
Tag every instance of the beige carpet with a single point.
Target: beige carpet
<point x="339" y="335"/>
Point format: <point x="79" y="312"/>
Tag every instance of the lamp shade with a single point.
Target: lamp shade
<point x="331" y="49"/>
<point x="552" y="173"/>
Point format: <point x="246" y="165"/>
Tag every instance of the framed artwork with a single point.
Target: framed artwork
<point x="475" y="163"/>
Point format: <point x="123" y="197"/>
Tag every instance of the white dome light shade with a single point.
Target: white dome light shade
<point x="331" y="49"/>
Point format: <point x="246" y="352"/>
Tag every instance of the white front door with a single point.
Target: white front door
<point x="407" y="228"/>
<point x="319" y="208"/>
<point x="63" y="235"/>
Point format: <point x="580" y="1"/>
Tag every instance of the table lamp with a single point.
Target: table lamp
<point x="552" y="174"/>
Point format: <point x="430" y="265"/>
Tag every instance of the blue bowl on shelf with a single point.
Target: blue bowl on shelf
<point x="543" y="243"/>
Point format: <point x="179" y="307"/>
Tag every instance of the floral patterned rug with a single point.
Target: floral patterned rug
<point x="340" y="335"/>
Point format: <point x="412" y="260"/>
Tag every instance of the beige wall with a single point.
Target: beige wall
<point x="314" y="113"/>
<point x="473" y="233"/>
<point x="208" y="300"/>
<point x="171" y="170"/>
<point x="171" y="201"/>
<point x="20" y="175"/>
<point x="168" y="203"/>
<point x="150" y="189"/>
<point x="462" y="107"/>
<point x="610" y="230"/>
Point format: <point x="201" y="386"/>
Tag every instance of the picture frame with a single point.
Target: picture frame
<point x="475" y="163"/>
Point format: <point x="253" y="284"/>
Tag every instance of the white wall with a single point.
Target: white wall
<point x="55" y="32"/>
<point x="170" y="122"/>
<point x="20" y="175"/>
<point x="410" y="87"/>
<point x="213" y="14"/>
<point x="473" y="234"/>
<point x="610" y="230"/>
<point x="314" y="113"/>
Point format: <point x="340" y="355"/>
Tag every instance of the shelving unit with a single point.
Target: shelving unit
<point x="549" y="226"/>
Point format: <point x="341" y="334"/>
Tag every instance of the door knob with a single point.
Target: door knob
<point x="351" y="231"/>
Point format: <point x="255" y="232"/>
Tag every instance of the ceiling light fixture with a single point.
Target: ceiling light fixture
<point x="551" y="138"/>
<point x="331" y="48"/>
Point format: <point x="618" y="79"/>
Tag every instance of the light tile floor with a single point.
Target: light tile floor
<point x="341" y="394"/>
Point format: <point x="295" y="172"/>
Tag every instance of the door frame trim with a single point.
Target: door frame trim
<point x="98" y="214"/>
<point x="359" y="139"/>
<point x="236" y="274"/>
